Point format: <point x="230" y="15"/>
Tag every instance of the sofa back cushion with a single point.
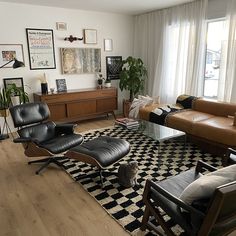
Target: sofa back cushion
<point x="214" y="107"/>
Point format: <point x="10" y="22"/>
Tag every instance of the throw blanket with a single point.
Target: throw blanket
<point x="159" y="115"/>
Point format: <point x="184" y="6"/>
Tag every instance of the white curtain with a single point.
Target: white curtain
<point x="227" y="78"/>
<point x="171" y="43"/>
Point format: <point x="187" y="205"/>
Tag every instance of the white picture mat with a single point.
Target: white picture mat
<point x="90" y="36"/>
<point x="10" y="51"/>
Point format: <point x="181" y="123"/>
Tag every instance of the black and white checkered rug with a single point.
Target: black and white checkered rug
<point x="125" y="204"/>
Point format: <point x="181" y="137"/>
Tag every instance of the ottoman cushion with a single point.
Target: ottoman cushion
<point x="105" y="150"/>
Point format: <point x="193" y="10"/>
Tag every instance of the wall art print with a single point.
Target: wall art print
<point x="113" y="66"/>
<point x="41" y="48"/>
<point x="81" y="60"/>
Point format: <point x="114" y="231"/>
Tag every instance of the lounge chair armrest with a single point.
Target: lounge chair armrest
<point x="65" y="128"/>
<point x="22" y="140"/>
<point x="150" y="184"/>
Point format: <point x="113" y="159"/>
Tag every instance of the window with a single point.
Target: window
<point x="216" y="35"/>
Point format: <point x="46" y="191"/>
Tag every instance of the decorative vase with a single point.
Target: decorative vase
<point x="44" y="88"/>
<point x="108" y="85"/>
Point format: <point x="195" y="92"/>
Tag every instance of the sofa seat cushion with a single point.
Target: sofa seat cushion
<point x="218" y="129"/>
<point x="186" y="119"/>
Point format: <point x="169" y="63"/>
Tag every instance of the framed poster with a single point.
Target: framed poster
<point x="61" y="85"/>
<point x="81" y="60"/>
<point x="113" y="67"/>
<point x="9" y="52"/>
<point x="17" y="81"/>
<point x="41" y="48"/>
<point x="108" y="45"/>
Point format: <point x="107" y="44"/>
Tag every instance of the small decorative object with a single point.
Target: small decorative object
<point x="107" y="83"/>
<point x="8" y="55"/>
<point x="108" y="45"/>
<point x="90" y="36"/>
<point x="52" y="90"/>
<point x="100" y="81"/>
<point x="44" y="84"/>
<point x="127" y="174"/>
<point x="113" y="66"/>
<point x="61" y="85"/>
<point x="72" y="38"/>
<point x="41" y="49"/>
<point x="61" y="26"/>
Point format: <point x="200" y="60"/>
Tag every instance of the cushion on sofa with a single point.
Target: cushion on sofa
<point x="185" y="101"/>
<point x="205" y="186"/>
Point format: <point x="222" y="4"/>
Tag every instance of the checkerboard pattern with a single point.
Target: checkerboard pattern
<point x="125" y="204"/>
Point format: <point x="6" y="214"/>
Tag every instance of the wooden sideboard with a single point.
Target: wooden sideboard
<point x="80" y="104"/>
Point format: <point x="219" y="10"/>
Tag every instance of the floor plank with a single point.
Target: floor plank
<point x="51" y="203"/>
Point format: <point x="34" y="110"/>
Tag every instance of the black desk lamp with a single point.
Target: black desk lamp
<point x="15" y="65"/>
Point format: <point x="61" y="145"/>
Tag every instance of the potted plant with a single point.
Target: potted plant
<point x="5" y="101"/>
<point x="107" y="83"/>
<point x="6" y="96"/>
<point x="132" y="76"/>
<point x="100" y="80"/>
<point x="17" y="94"/>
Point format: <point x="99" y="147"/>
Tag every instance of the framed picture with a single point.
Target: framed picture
<point x="17" y="81"/>
<point x="41" y="48"/>
<point x="61" y="26"/>
<point x="90" y="36"/>
<point x="113" y="67"/>
<point x="108" y="45"/>
<point x="81" y="60"/>
<point x="61" y="85"/>
<point x="9" y="52"/>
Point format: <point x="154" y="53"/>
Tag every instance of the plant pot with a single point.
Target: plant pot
<point x="107" y="85"/>
<point x="4" y="112"/>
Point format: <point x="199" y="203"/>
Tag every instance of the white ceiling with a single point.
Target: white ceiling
<point x="130" y="7"/>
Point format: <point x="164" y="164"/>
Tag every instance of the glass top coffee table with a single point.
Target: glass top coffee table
<point x="159" y="133"/>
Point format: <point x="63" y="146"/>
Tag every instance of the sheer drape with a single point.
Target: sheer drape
<point x="227" y="79"/>
<point x="171" y="44"/>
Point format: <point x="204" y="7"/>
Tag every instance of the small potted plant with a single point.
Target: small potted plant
<point x="107" y="83"/>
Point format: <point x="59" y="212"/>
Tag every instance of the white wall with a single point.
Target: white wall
<point x="15" y="18"/>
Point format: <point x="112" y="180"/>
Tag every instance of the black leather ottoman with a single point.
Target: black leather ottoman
<point x="101" y="152"/>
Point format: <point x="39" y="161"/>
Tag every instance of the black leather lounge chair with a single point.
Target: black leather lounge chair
<point x="41" y="137"/>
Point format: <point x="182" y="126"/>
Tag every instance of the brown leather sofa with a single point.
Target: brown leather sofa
<point x="212" y="121"/>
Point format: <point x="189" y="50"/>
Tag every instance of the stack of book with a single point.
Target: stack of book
<point x="129" y="123"/>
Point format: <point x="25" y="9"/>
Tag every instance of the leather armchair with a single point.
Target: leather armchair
<point x="41" y="137"/>
<point x="212" y="216"/>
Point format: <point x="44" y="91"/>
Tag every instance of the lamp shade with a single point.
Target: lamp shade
<point x="17" y="64"/>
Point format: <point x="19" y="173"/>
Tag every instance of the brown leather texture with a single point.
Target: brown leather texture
<point x="210" y="120"/>
<point x="186" y="119"/>
<point x="216" y="108"/>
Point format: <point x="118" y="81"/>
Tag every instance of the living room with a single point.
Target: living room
<point x="43" y="205"/>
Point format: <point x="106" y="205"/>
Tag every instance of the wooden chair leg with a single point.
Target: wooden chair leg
<point x="145" y="219"/>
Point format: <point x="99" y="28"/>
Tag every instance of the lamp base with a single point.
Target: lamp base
<point x="4" y="136"/>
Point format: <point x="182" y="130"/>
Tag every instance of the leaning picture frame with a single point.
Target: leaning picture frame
<point x="113" y="67"/>
<point x="41" y="48"/>
<point x="9" y="52"/>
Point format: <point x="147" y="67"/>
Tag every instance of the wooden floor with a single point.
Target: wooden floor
<point x="50" y="203"/>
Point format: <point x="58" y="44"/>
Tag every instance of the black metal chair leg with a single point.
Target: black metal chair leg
<point x="39" y="161"/>
<point x="43" y="166"/>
